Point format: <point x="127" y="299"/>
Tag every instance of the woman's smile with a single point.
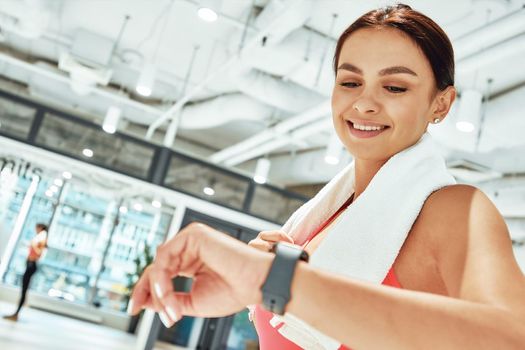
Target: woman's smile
<point x="365" y="130"/>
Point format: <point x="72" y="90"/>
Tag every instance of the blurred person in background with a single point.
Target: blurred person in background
<point x="36" y="249"/>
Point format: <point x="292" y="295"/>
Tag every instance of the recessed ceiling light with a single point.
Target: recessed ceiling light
<point x="87" y="152"/>
<point x="207" y="14"/>
<point x="208" y="191"/>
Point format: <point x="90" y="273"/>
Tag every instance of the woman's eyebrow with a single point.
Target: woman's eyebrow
<point x="351" y="68"/>
<point x="397" y="70"/>
<point x="382" y="72"/>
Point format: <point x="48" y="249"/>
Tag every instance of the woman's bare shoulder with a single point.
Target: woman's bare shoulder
<point x="452" y="212"/>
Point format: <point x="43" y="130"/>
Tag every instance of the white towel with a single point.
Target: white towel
<point x="365" y="241"/>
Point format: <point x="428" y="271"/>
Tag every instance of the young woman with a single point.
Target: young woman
<point x="36" y="248"/>
<point x="456" y="282"/>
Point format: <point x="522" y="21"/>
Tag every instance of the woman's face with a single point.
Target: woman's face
<point x="384" y="83"/>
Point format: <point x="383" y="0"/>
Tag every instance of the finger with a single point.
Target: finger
<point x="276" y="236"/>
<point x="140" y="297"/>
<point x="163" y="289"/>
<point x="261" y="245"/>
<point x="160" y="285"/>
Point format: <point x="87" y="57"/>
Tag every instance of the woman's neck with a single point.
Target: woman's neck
<point x="365" y="170"/>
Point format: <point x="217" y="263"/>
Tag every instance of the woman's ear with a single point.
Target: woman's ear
<point x="442" y="103"/>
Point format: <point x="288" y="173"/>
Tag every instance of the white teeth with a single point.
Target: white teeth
<point x="368" y="127"/>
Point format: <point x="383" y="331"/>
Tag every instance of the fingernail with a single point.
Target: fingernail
<point x="171" y="313"/>
<point x="130" y="307"/>
<point x="164" y="319"/>
<point x="158" y="291"/>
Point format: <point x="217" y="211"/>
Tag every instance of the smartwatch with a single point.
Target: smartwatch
<point x="276" y="287"/>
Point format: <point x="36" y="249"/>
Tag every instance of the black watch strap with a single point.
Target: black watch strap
<point x="276" y="288"/>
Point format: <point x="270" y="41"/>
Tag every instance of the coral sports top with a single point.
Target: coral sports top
<point x="269" y="337"/>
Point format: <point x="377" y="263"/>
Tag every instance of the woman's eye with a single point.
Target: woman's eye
<point x="395" y="89"/>
<point x="350" y="84"/>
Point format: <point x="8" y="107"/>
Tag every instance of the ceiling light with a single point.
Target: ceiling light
<point x="207" y="14"/>
<point x="146" y="79"/>
<point x="58" y="182"/>
<point x="208" y="10"/>
<point x="137" y="206"/>
<point x="111" y="120"/>
<point x="123" y="210"/>
<point x="67" y="175"/>
<point x="261" y="170"/>
<point x="208" y="191"/>
<point x="469" y="111"/>
<point x="49" y="193"/>
<point x="54" y="189"/>
<point x="156" y="203"/>
<point x="87" y="152"/>
<point x="333" y="150"/>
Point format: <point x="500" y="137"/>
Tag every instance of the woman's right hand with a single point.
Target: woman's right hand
<point x="266" y="239"/>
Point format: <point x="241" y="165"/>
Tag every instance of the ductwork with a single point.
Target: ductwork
<point x="221" y="110"/>
<point x="207" y="114"/>
<point x="28" y="18"/>
<point x="281" y="130"/>
<point x="283" y="18"/>
<point x="277" y="93"/>
<point x="297" y="58"/>
<point x="488" y="35"/>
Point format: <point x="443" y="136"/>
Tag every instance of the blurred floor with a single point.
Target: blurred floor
<point x="41" y="330"/>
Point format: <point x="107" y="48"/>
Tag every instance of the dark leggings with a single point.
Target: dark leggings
<point x="30" y="271"/>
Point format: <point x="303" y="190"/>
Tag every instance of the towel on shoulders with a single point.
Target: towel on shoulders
<point x="365" y="241"/>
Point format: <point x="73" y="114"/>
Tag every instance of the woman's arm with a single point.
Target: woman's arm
<point x="366" y="316"/>
<point x="474" y="255"/>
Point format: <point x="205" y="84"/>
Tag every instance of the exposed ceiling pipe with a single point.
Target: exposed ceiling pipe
<point x="28" y="18"/>
<point x="283" y="18"/>
<point x="223" y="17"/>
<point x="206" y="114"/>
<point x="276" y="92"/>
<point x="221" y="110"/>
<point x="301" y="133"/>
<point x="304" y="118"/>
<point x="495" y="53"/>
<point x="256" y="40"/>
<point x="40" y="70"/>
<point x="490" y="34"/>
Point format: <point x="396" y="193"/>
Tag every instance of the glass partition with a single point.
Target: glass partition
<point x="134" y="239"/>
<point x="15" y="118"/>
<point x="76" y="238"/>
<point x="109" y="150"/>
<point x="40" y="211"/>
<point x="209" y="183"/>
<point x="93" y="239"/>
<point x="274" y="205"/>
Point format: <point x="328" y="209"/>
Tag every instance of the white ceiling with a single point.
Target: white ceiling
<point x="248" y="90"/>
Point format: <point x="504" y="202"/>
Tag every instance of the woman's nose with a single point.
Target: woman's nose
<point x="365" y="106"/>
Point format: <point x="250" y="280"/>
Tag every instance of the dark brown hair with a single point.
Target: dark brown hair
<point x="41" y="226"/>
<point x="426" y="34"/>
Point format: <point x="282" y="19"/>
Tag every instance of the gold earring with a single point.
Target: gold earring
<point x="436" y="120"/>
